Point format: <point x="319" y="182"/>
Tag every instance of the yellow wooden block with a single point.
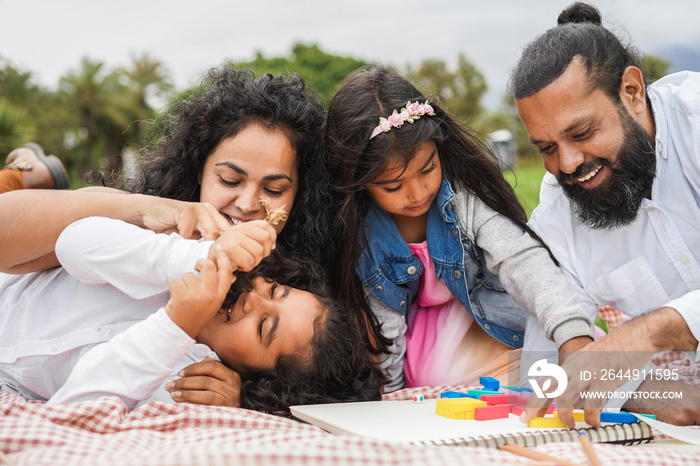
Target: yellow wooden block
<point x="459" y="404"/>
<point x="579" y="416"/>
<point x="450" y="414"/>
<point x="455" y="415"/>
<point x="545" y="422"/>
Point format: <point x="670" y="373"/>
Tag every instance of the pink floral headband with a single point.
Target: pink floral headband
<point x="410" y="113"/>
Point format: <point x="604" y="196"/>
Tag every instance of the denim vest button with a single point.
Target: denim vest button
<point x="454" y="233"/>
<point x="516" y="338"/>
<point x="411" y="270"/>
<point x="487" y="327"/>
<point x="380" y="287"/>
<point x="402" y="303"/>
<point x="457" y="274"/>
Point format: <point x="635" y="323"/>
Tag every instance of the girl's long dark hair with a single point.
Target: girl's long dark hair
<point x="355" y="160"/>
<point x="227" y="101"/>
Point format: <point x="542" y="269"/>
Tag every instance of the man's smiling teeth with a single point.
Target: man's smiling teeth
<point x="590" y="174"/>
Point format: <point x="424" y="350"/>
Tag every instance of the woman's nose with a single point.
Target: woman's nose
<point x="248" y="200"/>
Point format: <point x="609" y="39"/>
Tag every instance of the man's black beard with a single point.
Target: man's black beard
<point x="615" y="203"/>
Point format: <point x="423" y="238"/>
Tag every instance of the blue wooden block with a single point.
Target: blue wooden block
<point x="516" y="389"/>
<point x="478" y="393"/>
<point x="624" y="418"/>
<point x="454" y="395"/>
<point x="489" y="383"/>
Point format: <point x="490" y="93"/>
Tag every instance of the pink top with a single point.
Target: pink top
<point x="443" y="344"/>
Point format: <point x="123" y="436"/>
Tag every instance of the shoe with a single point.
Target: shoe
<point x="20" y="160"/>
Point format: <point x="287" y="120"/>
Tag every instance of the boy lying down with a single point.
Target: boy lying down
<point x="130" y="308"/>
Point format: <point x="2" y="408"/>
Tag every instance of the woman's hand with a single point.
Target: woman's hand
<point x="207" y="383"/>
<point x="246" y="244"/>
<point x="191" y="220"/>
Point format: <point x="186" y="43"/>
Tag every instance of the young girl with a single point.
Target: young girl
<point x="437" y="239"/>
<point x="105" y="324"/>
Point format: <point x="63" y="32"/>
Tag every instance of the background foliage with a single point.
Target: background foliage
<point x="96" y="115"/>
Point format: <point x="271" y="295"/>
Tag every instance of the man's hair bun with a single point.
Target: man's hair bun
<point x="579" y="12"/>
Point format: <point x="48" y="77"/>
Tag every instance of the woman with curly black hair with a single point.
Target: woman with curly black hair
<point x="229" y="152"/>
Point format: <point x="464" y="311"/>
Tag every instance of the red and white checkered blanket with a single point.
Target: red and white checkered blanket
<point x="105" y="432"/>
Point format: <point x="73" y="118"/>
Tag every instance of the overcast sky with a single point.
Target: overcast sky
<point x="49" y="37"/>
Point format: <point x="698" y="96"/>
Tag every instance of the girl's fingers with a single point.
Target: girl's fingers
<point x="205" y="397"/>
<point x="211" y="368"/>
<point x="225" y="272"/>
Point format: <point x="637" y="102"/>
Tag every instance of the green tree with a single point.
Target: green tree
<point x="147" y="77"/>
<point x="17" y="96"/>
<point x="15" y="130"/>
<point x="105" y="107"/>
<point x="321" y="70"/>
<point x="84" y="87"/>
<point x="460" y="91"/>
<point x="655" y="67"/>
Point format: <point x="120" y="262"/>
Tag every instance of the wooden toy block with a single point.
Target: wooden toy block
<point x="511" y="387"/>
<point x="651" y="416"/>
<point x="453" y="395"/>
<point x="449" y="414"/>
<point x="489" y="383"/>
<point x="499" y="399"/>
<point x="459" y="404"/>
<point x="517" y="410"/>
<point x="485" y="413"/>
<point x="545" y="422"/>
<point x="624" y="418"/>
<point x="479" y="393"/>
<point x="469" y="415"/>
<point x="579" y="416"/>
<point x="516" y="389"/>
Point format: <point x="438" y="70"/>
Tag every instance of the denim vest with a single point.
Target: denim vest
<point x="391" y="271"/>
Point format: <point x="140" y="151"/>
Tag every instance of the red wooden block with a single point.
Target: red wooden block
<point x="495" y="399"/>
<point x="517" y="410"/>
<point x="485" y="413"/>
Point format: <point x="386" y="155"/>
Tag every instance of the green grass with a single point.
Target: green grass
<point x="526" y="181"/>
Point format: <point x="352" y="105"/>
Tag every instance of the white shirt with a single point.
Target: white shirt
<point x="643" y="266"/>
<point x="90" y="328"/>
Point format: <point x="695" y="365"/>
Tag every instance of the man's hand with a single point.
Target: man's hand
<point x="537" y="407"/>
<point x="208" y="383"/>
<point x="679" y="411"/>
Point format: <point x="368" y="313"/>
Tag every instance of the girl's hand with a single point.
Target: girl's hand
<point x="194" y="301"/>
<point x="191" y="220"/>
<point x="207" y="383"/>
<point x="246" y="244"/>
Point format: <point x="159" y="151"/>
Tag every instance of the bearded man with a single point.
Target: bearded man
<point x="620" y="206"/>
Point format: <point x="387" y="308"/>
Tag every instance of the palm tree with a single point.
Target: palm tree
<point x="85" y="88"/>
<point x="147" y="77"/>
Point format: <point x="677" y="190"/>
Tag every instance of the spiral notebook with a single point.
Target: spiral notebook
<point x="409" y="422"/>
